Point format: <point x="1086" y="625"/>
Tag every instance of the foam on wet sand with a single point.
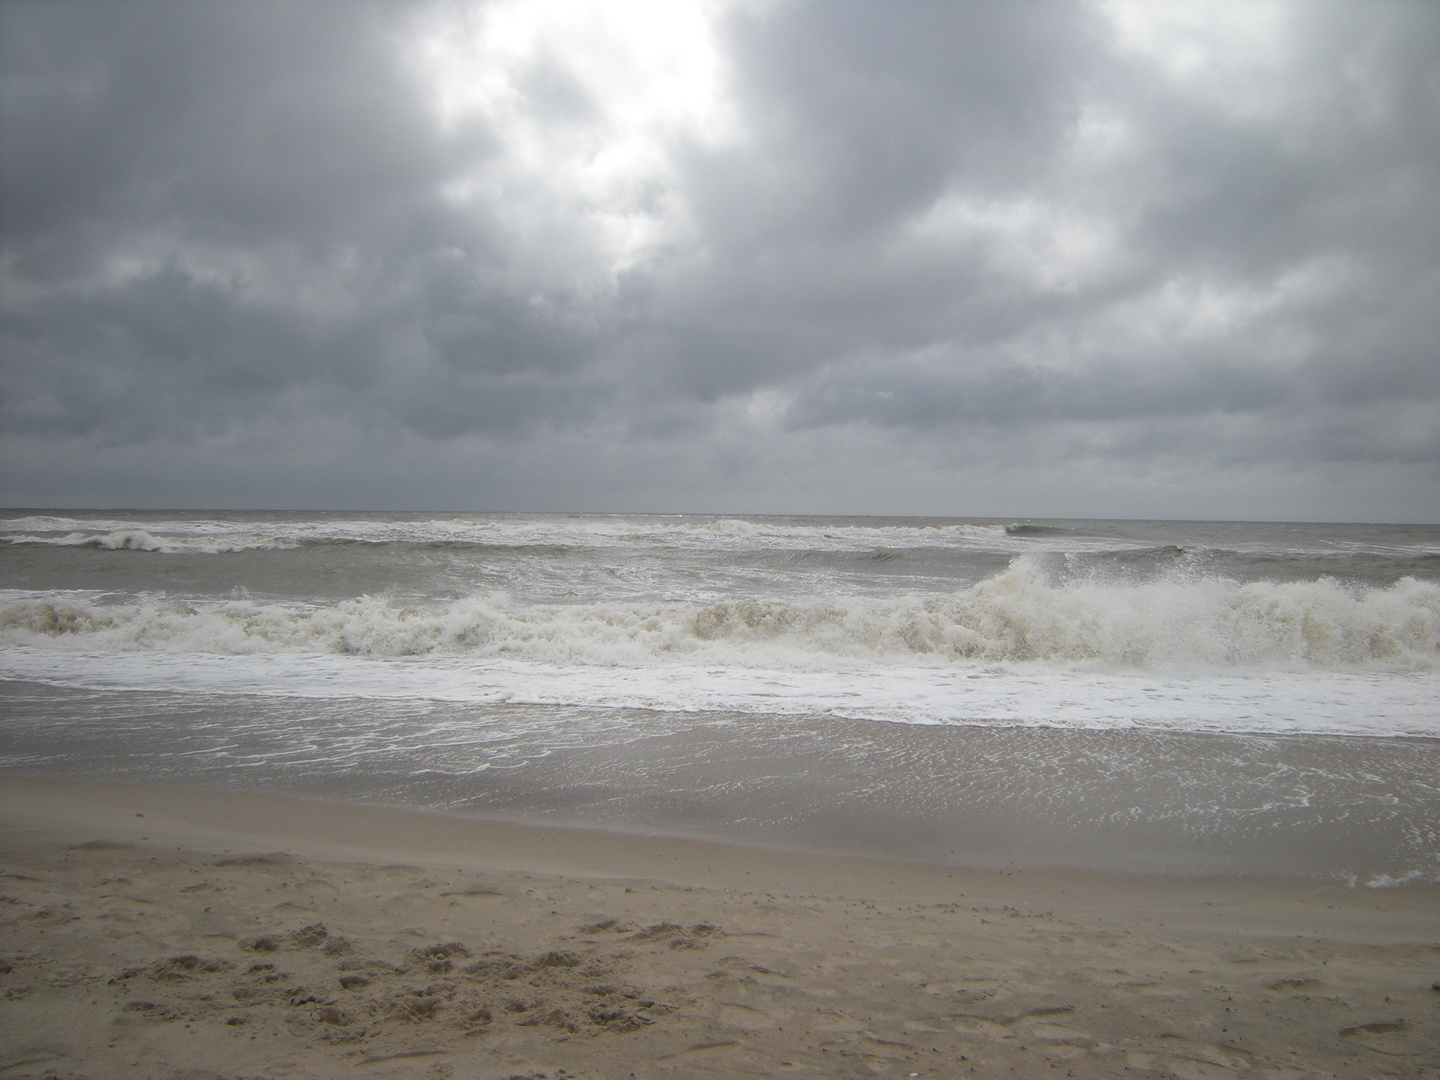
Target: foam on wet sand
<point x="163" y="932"/>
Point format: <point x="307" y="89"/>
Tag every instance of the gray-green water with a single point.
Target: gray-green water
<point x="1181" y="697"/>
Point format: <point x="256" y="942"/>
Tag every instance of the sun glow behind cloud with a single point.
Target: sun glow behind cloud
<point x="1231" y="52"/>
<point x="588" y="104"/>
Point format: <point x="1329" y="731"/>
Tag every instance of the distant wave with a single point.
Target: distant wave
<point x="1034" y="530"/>
<point x="222" y="536"/>
<point x="142" y="540"/>
<point x="1017" y="616"/>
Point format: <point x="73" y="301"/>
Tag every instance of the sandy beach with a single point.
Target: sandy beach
<point x="165" y="932"/>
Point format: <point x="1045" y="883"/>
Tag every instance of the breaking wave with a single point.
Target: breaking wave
<point x="143" y="540"/>
<point x="221" y="536"/>
<point x="1017" y="616"/>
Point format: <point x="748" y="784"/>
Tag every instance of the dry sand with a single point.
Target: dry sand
<point x="161" y="932"/>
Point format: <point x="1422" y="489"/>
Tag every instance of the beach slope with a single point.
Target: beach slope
<point x="164" y="932"/>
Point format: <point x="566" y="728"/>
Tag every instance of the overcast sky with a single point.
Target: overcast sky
<point x="1024" y="258"/>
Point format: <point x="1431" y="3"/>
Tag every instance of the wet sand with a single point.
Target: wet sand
<point x="166" y="932"/>
<point x="1129" y="801"/>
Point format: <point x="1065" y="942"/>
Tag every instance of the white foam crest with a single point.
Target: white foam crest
<point x="1014" y="617"/>
<point x="849" y="535"/>
<point x="1190" y="622"/>
<point x="143" y="540"/>
<point x="216" y="535"/>
<point x="171" y="538"/>
<point x="1331" y="703"/>
<point x="39" y="523"/>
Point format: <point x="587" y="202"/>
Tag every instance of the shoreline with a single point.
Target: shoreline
<point x="1351" y="807"/>
<point x="329" y="829"/>
<point x="407" y="943"/>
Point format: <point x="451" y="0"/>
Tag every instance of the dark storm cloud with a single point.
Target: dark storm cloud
<point x="284" y="146"/>
<point x="1335" y="176"/>
<point x="863" y="116"/>
<point x="231" y="123"/>
<point x="933" y="240"/>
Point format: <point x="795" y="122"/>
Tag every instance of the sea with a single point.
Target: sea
<point x="1190" y="698"/>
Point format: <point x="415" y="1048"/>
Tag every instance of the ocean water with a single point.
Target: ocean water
<point x="1183" y="697"/>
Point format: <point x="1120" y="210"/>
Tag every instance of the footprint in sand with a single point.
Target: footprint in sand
<point x="1060" y="1035"/>
<point x="1299" y="985"/>
<point x="678" y="937"/>
<point x="1192" y="1060"/>
<point x="1199" y="1070"/>
<point x="1041" y="1024"/>
<point x="837" y="1023"/>
<point x="745" y="1017"/>
<point x="30" y="1054"/>
<point x="270" y="858"/>
<point x="1393" y="1038"/>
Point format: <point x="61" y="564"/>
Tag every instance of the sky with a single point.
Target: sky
<point x="1108" y="258"/>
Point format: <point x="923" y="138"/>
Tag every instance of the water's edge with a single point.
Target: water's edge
<point x="1357" y="808"/>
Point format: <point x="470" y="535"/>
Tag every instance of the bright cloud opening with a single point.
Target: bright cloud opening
<point x="588" y="102"/>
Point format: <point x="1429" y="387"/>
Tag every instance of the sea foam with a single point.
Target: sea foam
<point x="201" y="535"/>
<point x="1019" y="616"/>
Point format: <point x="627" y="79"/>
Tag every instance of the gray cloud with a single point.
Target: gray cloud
<point x="942" y="258"/>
